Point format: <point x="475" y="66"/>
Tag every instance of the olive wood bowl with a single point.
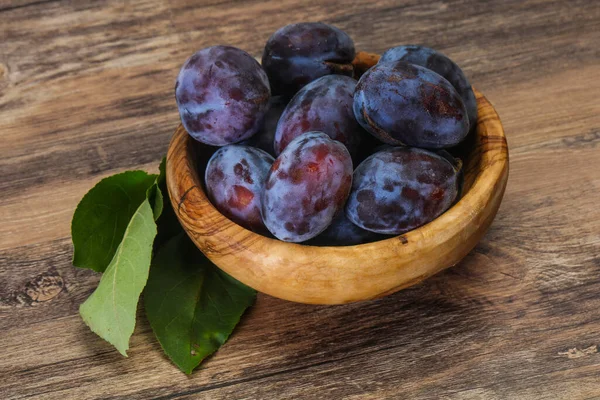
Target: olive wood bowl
<point x="343" y="274"/>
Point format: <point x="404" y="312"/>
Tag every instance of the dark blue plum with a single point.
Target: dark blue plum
<point x="307" y="186"/>
<point x="402" y="103"/>
<point x="300" y="53"/>
<point x="235" y="178"/>
<point x="399" y="189"/>
<point x="222" y="94"/>
<point x="266" y="135"/>
<point x="323" y="105"/>
<point x="440" y="64"/>
<point x="342" y="232"/>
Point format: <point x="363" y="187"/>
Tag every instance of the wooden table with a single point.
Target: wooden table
<point x="86" y="90"/>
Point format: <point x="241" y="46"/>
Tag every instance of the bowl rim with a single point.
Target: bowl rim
<point x="286" y="270"/>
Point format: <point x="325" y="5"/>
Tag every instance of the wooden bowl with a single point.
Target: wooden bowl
<point x="343" y="274"/>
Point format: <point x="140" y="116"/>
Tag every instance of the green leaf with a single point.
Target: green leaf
<point x="155" y="192"/>
<point x="102" y="216"/>
<point x="162" y="175"/>
<point x="154" y="195"/>
<point x="192" y="306"/>
<point x="168" y="224"/>
<point x="110" y="311"/>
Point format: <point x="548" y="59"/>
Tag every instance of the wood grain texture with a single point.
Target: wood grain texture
<point x="86" y="91"/>
<point x="343" y="274"/>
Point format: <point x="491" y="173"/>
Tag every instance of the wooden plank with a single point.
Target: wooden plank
<point x="86" y="90"/>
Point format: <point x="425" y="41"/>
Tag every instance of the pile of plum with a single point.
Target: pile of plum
<point x="291" y="131"/>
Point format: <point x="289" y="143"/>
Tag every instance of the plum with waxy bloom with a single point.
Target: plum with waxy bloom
<point x="235" y="177"/>
<point x="307" y="186"/>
